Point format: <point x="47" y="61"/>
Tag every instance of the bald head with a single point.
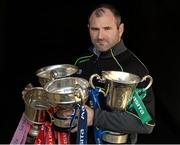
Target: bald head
<point x="100" y="10"/>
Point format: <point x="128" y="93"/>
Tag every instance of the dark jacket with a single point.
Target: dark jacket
<point x="112" y="60"/>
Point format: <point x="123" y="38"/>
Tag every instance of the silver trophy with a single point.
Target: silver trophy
<point x="35" y="112"/>
<point x="119" y="87"/>
<point x="49" y="77"/>
<point x="63" y="91"/>
<point x="36" y="101"/>
<point x="63" y="94"/>
<point x="48" y="73"/>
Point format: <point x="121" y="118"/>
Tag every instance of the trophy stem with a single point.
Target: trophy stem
<point x="33" y="132"/>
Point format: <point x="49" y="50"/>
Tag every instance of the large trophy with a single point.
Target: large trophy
<point x="119" y="89"/>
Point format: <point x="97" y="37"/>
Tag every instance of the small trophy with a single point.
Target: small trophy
<point x="35" y="110"/>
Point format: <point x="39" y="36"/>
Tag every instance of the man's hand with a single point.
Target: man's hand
<point x="90" y="118"/>
<point x="90" y="115"/>
<point x="27" y="88"/>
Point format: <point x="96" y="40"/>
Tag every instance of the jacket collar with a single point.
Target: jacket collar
<point x="116" y="50"/>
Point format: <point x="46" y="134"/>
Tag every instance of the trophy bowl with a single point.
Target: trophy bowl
<point x="48" y="73"/>
<point x="36" y="105"/>
<point x="121" y="77"/>
<point x="64" y="94"/>
<point x="119" y="87"/>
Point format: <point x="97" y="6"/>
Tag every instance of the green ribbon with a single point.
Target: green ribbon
<point x="136" y="103"/>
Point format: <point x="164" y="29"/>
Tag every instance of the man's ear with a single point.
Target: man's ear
<point x="121" y="29"/>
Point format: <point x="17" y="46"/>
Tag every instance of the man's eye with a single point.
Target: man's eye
<point x="107" y="28"/>
<point x="94" y="29"/>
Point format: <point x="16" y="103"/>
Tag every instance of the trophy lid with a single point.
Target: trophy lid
<point x="56" y="71"/>
<point x="121" y="77"/>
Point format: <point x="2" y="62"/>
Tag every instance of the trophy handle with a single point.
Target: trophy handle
<point x="98" y="78"/>
<point x="150" y="82"/>
<point x="53" y="75"/>
<point x="81" y="95"/>
<point x="78" y="89"/>
<point x="91" y="80"/>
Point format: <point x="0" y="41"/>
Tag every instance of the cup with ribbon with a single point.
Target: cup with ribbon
<point x="67" y="95"/>
<point x="63" y="94"/>
<point x="120" y="89"/>
<point x="36" y="106"/>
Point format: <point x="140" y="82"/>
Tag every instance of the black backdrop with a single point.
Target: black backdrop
<point x="39" y="33"/>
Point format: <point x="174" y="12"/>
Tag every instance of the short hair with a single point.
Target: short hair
<point x="99" y="11"/>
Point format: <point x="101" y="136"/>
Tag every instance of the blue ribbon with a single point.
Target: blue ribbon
<point x="94" y="100"/>
<point x="82" y="126"/>
<point x="73" y="115"/>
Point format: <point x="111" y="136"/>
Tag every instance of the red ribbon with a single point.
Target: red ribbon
<point x="45" y="135"/>
<point x="63" y="138"/>
<point x="40" y="136"/>
<point x="49" y="134"/>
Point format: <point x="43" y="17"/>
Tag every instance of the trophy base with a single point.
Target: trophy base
<point x="30" y="140"/>
<point x="34" y="130"/>
<point x="114" y="137"/>
<point x="59" y="121"/>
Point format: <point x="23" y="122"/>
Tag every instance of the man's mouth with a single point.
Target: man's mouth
<point x="100" y="42"/>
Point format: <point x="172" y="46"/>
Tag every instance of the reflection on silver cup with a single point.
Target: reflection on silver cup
<point x="119" y="87"/>
<point x="64" y="94"/>
<point x="36" y="105"/>
<point x="48" y="73"/>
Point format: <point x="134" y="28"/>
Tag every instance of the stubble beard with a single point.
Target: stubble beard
<point x="101" y="45"/>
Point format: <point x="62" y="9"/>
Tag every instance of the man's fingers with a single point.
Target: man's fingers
<point x="27" y="88"/>
<point x="74" y="129"/>
<point x="29" y="85"/>
<point x="67" y="122"/>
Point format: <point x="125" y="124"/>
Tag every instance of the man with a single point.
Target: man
<point x="109" y="53"/>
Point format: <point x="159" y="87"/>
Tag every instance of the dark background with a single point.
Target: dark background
<point x="37" y="34"/>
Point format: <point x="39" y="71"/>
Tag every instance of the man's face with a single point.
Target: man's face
<point x="104" y="31"/>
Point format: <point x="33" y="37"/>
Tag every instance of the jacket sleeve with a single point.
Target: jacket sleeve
<point x="122" y="122"/>
<point x="125" y="122"/>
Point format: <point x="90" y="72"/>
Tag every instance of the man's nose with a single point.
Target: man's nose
<point x="100" y="34"/>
